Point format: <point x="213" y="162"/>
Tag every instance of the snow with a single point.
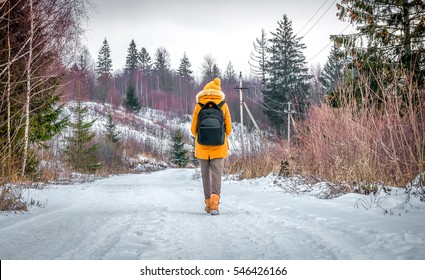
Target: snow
<point x="160" y="216"/>
<point x="153" y="125"/>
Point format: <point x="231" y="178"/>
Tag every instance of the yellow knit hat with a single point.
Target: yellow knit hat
<point x="214" y="85"/>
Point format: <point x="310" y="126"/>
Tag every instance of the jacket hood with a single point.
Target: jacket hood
<point x="213" y="94"/>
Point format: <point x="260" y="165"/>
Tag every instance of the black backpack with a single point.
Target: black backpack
<point x="211" y="124"/>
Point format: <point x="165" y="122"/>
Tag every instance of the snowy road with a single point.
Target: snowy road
<point x="160" y="216"/>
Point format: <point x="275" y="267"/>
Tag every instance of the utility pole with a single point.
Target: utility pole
<point x="241" y="110"/>
<point x="256" y="125"/>
<point x="289" y="122"/>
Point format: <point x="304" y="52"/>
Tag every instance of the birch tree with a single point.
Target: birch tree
<point x="9" y="87"/>
<point x="37" y="37"/>
<point x="28" y="89"/>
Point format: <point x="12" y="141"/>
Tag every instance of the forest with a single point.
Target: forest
<point x="357" y="120"/>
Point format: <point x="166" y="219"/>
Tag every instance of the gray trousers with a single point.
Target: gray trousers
<point x="211" y="171"/>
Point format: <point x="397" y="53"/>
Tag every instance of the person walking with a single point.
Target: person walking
<point x="211" y="126"/>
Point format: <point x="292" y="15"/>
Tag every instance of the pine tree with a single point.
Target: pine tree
<point x="80" y="153"/>
<point x="288" y="74"/>
<point x="145" y="61"/>
<point x="111" y="133"/>
<point x="162" y="68"/>
<point x="103" y="69"/>
<point x="185" y="78"/>
<point x="184" y="70"/>
<point x="132" y="102"/>
<point x="179" y="153"/>
<point x="132" y="59"/>
<point x="216" y="72"/>
<point x="259" y="57"/>
<point x="104" y="62"/>
<point x="229" y="76"/>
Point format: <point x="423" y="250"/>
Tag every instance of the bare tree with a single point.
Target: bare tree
<point x="259" y="57"/>
<point x="316" y="91"/>
<point x="209" y="69"/>
<point x="28" y="90"/>
<point x="45" y="36"/>
<point x="8" y="85"/>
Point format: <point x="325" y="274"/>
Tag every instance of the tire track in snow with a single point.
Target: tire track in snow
<point x="160" y="216"/>
<point x="106" y="234"/>
<point x="312" y="238"/>
<point x="29" y="218"/>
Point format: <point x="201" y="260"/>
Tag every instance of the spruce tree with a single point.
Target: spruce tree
<point x="287" y="75"/>
<point x="104" y="70"/>
<point x="396" y="28"/>
<point x="332" y="74"/>
<point x="145" y="62"/>
<point x="111" y="133"/>
<point x="104" y="61"/>
<point x="184" y="70"/>
<point x="46" y="123"/>
<point x="229" y="77"/>
<point x="179" y="155"/>
<point x="131" y="101"/>
<point x="185" y="76"/>
<point x="132" y="59"/>
<point x="80" y="153"/>
<point x="162" y="68"/>
<point x="216" y="72"/>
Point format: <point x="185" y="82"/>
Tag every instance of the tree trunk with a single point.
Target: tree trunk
<point x="28" y="90"/>
<point x="9" y="61"/>
<point x="407" y="36"/>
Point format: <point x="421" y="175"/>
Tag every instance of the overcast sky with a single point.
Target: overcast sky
<point x="224" y="29"/>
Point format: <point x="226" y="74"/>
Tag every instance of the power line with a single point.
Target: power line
<point x="326" y="45"/>
<point x="320" y="18"/>
<point x="264" y="105"/>
<point x="311" y="18"/>
<point x="269" y="98"/>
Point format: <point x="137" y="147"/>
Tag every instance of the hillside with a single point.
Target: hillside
<point x="145" y="138"/>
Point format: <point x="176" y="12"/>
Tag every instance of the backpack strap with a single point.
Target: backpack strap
<point x="219" y="105"/>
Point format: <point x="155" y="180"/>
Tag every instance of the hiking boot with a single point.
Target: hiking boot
<point x="214" y="204"/>
<point x="208" y="205"/>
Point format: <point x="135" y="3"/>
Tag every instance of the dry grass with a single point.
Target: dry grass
<point x="380" y="140"/>
<point x="259" y="161"/>
<point x="11" y="200"/>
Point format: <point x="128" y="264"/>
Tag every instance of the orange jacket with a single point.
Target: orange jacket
<point x="211" y="152"/>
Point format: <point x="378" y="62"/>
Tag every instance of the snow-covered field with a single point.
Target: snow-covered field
<point x="160" y="216"/>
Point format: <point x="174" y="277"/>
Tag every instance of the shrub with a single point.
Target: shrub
<point x="11" y="200"/>
<point x="260" y="160"/>
<point x="379" y="139"/>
